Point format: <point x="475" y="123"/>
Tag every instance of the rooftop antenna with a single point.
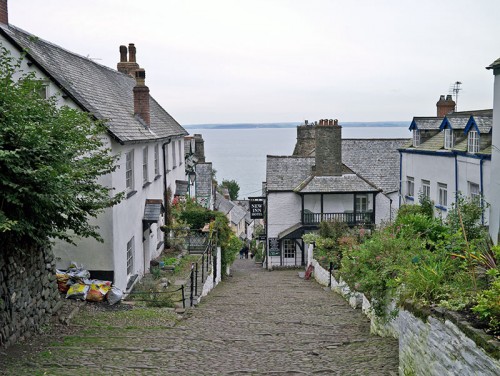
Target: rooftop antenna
<point x="456" y="89"/>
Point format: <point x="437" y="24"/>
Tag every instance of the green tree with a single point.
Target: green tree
<point x="50" y="161"/>
<point x="233" y="188"/>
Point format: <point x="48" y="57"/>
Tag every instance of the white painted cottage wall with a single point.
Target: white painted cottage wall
<point x="283" y="212"/>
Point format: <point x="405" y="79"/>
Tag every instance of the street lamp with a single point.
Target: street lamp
<point x="192" y="179"/>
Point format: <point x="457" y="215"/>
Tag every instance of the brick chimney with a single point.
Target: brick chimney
<point x="127" y="66"/>
<point x="445" y="106"/>
<point x="328" y="148"/>
<point x="4" y="12"/>
<point x="141" y="97"/>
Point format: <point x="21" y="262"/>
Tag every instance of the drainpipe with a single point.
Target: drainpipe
<point x="163" y="148"/>
<point x="456" y="179"/>
<point x="481" y="188"/>
<point x="400" y="175"/>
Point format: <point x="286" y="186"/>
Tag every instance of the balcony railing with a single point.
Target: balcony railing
<point x="352" y="219"/>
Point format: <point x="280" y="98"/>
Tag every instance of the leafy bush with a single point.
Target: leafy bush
<point x="488" y="306"/>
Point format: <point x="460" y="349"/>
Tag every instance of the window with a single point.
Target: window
<point x="130" y="256"/>
<point x="43" y="90"/>
<point x="443" y="195"/>
<point x="145" y="165"/>
<point x="361" y="203"/>
<point x="174" y="163"/>
<point x="157" y="160"/>
<point x="129" y="170"/>
<point x="410" y="186"/>
<point x="288" y="248"/>
<point x="474" y="192"/>
<point x="426" y="188"/>
<point x="159" y="235"/>
<point x="180" y="153"/>
<point x="416" y="137"/>
<point x="473" y="142"/>
<point x="448" y="139"/>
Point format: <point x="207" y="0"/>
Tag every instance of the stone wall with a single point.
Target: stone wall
<point x="429" y="344"/>
<point x="28" y="293"/>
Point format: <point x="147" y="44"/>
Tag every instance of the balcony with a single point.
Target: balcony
<point x="352" y="219"/>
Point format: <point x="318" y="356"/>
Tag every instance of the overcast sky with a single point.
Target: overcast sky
<point x="225" y="61"/>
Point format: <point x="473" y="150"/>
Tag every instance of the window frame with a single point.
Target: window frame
<point x="157" y="159"/>
<point x="145" y="172"/>
<point x="473" y="195"/>
<point x="473" y="142"/>
<point x="449" y="139"/>
<point x="129" y="171"/>
<point x="289" y="249"/>
<point x="130" y="256"/>
<point x="416" y="137"/>
<point x="410" y="186"/>
<point x="442" y="195"/>
<point x="361" y="201"/>
<point x="426" y="188"/>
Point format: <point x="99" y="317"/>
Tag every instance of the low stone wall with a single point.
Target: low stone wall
<point x="28" y="292"/>
<point x="436" y="343"/>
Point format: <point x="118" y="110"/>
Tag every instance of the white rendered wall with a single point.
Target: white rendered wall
<point x="494" y="199"/>
<point x="283" y="212"/>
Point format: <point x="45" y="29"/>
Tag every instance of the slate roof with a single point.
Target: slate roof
<point x="204" y="179"/>
<point x="237" y="214"/>
<point x="422" y="123"/>
<point x="484" y="123"/>
<point x="152" y="210"/>
<point x="102" y="91"/>
<point x="221" y="204"/>
<point x="455" y="121"/>
<point x="374" y="161"/>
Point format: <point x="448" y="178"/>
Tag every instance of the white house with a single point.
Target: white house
<point x="449" y="154"/>
<point x="355" y="181"/>
<point x="494" y="198"/>
<point x="149" y="142"/>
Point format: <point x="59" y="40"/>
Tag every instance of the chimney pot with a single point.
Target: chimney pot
<point x="123" y="54"/>
<point x="4" y="13"/>
<point x="441" y="97"/>
<point x="131" y="53"/>
<point x="448" y="97"/>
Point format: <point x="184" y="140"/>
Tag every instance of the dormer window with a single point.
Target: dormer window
<point x="416" y="137"/>
<point x="473" y="142"/>
<point x="448" y="139"/>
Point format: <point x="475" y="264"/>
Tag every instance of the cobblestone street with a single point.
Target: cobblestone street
<point x="256" y="323"/>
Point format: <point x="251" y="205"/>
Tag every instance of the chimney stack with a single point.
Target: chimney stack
<point x="127" y="66"/>
<point x="306" y="140"/>
<point x="445" y="106"/>
<point x="141" y="97"/>
<point x="328" y="148"/>
<point x="199" y="148"/>
<point x="4" y="12"/>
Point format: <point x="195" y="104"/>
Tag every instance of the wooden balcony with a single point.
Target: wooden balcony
<point x="352" y="219"/>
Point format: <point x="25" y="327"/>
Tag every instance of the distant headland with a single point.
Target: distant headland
<point x="294" y="124"/>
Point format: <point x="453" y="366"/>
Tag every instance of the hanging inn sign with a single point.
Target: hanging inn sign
<point x="256" y="207"/>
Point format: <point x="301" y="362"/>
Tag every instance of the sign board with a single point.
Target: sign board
<point x="262" y="237"/>
<point x="256" y="209"/>
<point x="274" y="247"/>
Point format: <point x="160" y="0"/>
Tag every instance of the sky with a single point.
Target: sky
<point x="235" y="61"/>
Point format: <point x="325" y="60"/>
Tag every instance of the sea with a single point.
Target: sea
<point x="238" y="151"/>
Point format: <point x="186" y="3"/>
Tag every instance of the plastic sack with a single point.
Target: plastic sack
<point x="62" y="281"/>
<point x="77" y="291"/>
<point x="114" y="295"/>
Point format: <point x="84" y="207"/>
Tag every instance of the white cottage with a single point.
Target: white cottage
<point x="450" y="154"/>
<point x="148" y="140"/>
<point x="328" y="178"/>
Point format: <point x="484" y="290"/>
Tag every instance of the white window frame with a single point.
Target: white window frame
<point x="474" y="191"/>
<point x="130" y="256"/>
<point x="289" y="249"/>
<point x="174" y="160"/>
<point x="410" y="186"/>
<point x="129" y="171"/>
<point x="442" y="195"/>
<point x="473" y="142"/>
<point x="361" y="203"/>
<point x="157" y="160"/>
<point x="145" y="152"/>
<point x="180" y="153"/>
<point x="416" y="137"/>
<point x="448" y="138"/>
<point x="426" y="188"/>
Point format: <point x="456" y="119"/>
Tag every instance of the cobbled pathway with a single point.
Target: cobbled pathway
<point x="256" y="323"/>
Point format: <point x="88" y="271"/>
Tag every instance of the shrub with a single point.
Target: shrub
<point x="488" y="306"/>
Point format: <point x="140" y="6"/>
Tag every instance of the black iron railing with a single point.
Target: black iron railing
<point x="352" y="219"/>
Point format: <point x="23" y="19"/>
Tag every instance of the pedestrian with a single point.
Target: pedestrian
<point x="242" y="252"/>
<point x="246" y="251"/>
